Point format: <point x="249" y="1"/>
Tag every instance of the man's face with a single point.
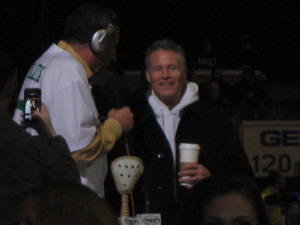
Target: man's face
<point x="104" y="58"/>
<point x="166" y="75"/>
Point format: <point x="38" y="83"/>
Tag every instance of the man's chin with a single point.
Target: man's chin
<point x="166" y="98"/>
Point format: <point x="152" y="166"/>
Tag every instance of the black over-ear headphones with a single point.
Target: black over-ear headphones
<point x="100" y="39"/>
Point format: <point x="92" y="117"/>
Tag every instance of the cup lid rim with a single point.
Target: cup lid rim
<point x="189" y="145"/>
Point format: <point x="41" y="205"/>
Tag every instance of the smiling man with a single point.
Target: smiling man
<point x="169" y="114"/>
<point x="167" y="74"/>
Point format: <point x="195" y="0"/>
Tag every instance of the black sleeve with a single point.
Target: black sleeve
<point x="57" y="162"/>
<point x="237" y="162"/>
<point x="222" y="151"/>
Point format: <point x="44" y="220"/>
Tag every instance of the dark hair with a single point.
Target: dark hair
<point x="204" y="192"/>
<point x="7" y="67"/>
<point x="164" y="44"/>
<point x="70" y="203"/>
<point x="85" y="20"/>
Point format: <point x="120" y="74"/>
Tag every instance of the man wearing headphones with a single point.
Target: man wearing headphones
<point x="62" y="73"/>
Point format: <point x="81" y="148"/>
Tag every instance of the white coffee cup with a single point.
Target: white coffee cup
<point x="188" y="153"/>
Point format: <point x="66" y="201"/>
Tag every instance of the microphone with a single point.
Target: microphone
<point x="117" y="90"/>
<point x="146" y="216"/>
<point x="147" y="200"/>
<point x="116" y="85"/>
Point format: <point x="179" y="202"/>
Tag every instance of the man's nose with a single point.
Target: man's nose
<point x="165" y="73"/>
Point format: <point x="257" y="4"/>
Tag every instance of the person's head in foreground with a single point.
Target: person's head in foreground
<point x="224" y="201"/>
<point x="66" y="204"/>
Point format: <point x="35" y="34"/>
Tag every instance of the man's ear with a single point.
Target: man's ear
<point x="185" y="71"/>
<point x="148" y="77"/>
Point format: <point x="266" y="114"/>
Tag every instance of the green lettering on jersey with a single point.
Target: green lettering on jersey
<point x="20" y="104"/>
<point x="35" y="72"/>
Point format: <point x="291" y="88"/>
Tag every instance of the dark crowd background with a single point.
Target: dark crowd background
<point x="29" y="27"/>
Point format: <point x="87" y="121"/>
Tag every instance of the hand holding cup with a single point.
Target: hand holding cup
<point x="188" y="155"/>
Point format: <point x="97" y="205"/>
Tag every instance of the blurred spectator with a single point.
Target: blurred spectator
<point x="246" y="54"/>
<point x="8" y="95"/>
<point x="211" y="96"/>
<point x="226" y="88"/>
<point x="223" y="200"/>
<point x="66" y="204"/>
<point x="271" y="195"/>
<point x="206" y="58"/>
<point x="217" y="91"/>
<point x="251" y="97"/>
<point x="217" y="94"/>
<point x="293" y="213"/>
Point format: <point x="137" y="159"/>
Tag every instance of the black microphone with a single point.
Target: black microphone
<point x="117" y="90"/>
<point x="147" y="200"/>
<point x="116" y="85"/>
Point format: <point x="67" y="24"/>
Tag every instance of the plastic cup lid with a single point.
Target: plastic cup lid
<point x="189" y="145"/>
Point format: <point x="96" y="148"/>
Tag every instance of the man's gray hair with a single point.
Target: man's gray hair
<point x="164" y="44"/>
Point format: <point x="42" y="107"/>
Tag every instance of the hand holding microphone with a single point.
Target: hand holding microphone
<point x="124" y="116"/>
<point x="120" y="112"/>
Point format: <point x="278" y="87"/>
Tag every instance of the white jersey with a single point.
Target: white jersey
<point x="70" y="104"/>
